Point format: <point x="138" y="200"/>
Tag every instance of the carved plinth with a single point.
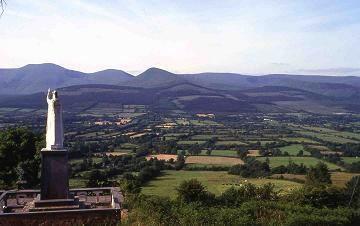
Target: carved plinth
<point x="54" y="174"/>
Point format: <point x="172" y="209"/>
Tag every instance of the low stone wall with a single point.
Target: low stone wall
<point x="104" y="208"/>
<point x="66" y="218"/>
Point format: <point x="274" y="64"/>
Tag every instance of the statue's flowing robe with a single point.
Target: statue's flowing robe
<point x="54" y="126"/>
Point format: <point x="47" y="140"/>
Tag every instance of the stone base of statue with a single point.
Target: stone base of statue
<point x="54" y="174"/>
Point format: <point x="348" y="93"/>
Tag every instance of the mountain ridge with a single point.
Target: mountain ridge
<point x="34" y="78"/>
<point x="190" y="98"/>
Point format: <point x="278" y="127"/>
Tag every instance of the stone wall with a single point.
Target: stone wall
<point x="66" y="218"/>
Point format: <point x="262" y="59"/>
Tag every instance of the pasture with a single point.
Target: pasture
<point x="320" y="147"/>
<point x="204" y="123"/>
<point x="203" y="137"/>
<point x="262" y="142"/>
<point x="128" y="146"/>
<point x="299" y="140"/>
<point x="190" y="142"/>
<point x="213" y="160"/>
<point x="294" y="149"/>
<point x="342" y="134"/>
<point x="230" y="142"/>
<point x="216" y="182"/>
<point x="307" y="161"/>
<point x="226" y="153"/>
<point x="80" y="160"/>
<point x="229" y="153"/>
<point x="328" y="137"/>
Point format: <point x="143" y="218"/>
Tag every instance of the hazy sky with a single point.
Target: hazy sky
<point x="252" y="37"/>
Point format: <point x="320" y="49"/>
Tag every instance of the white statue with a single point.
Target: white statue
<point x="54" y="126"/>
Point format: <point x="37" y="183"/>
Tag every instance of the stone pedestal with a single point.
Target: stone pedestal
<point x="54" y="174"/>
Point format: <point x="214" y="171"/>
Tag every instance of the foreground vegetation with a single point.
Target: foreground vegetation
<point x="317" y="203"/>
<point x="151" y="157"/>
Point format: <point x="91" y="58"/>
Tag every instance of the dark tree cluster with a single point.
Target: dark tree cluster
<point x="251" y="168"/>
<point x="20" y="158"/>
<point x="291" y="167"/>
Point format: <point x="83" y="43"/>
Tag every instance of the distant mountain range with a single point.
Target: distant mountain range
<point x="221" y="92"/>
<point x="34" y="78"/>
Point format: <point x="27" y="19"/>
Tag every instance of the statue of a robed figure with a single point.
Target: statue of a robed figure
<point x="54" y="157"/>
<point x="54" y="125"/>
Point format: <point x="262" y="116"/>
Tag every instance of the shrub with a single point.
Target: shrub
<point x="236" y="196"/>
<point x="193" y="191"/>
<point x="318" y="175"/>
<point x="180" y="162"/>
<point x="319" y="196"/>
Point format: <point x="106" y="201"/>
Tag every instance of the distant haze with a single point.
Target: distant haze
<point x="240" y="36"/>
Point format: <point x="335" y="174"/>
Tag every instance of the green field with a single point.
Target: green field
<point x="128" y="146"/>
<point x="221" y="153"/>
<point x="294" y="149"/>
<point x="212" y="160"/>
<point x="307" y="161"/>
<point x="328" y="137"/>
<point x="175" y="134"/>
<point x="192" y="166"/>
<point x="262" y="142"/>
<point x="228" y="153"/>
<point x="78" y="161"/>
<point x="299" y="140"/>
<point x="183" y="122"/>
<point x="350" y="160"/>
<point x="216" y="182"/>
<point x="203" y="137"/>
<point x="343" y="134"/>
<point x="191" y="142"/>
<point x="92" y="134"/>
<point x="204" y="123"/>
<point x="123" y="150"/>
<point x="230" y="142"/>
<point x="320" y="147"/>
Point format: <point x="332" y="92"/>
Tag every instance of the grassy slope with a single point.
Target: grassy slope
<point x="216" y="182"/>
